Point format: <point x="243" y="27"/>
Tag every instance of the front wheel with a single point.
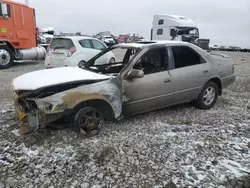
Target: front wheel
<point x="208" y="96"/>
<point x="87" y="120"/>
<point x="6" y="57"/>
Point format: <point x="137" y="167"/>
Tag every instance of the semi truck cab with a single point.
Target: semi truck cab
<point x="181" y="28"/>
<point x="173" y="27"/>
<point x="18" y="35"/>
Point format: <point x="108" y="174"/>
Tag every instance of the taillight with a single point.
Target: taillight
<point x="233" y="68"/>
<point x="71" y="51"/>
<point x="48" y="50"/>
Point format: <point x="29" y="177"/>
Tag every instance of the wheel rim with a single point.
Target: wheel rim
<point x="90" y="119"/>
<point x="4" y="57"/>
<point x="209" y="96"/>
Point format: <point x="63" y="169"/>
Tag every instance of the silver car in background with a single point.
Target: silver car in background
<point x="150" y="76"/>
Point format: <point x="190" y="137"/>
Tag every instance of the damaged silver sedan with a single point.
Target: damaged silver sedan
<point x="147" y="77"/>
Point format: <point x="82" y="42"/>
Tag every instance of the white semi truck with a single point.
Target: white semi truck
<point x="173" y="27"/>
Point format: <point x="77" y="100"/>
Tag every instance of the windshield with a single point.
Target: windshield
<point x="188" y="31"/>
<point x="112" y="61"/>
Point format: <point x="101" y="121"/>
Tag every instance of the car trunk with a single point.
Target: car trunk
<point x="59" y="50"/>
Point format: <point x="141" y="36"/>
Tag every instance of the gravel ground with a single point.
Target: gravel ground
<point x="178" y="146"/>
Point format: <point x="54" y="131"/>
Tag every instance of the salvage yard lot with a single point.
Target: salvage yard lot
<point x="181" y="143"/>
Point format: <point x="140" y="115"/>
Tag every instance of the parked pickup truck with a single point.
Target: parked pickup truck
<point x="150" y="76"/>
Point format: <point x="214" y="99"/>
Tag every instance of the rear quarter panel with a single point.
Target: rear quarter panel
<point x="222" y="67"/>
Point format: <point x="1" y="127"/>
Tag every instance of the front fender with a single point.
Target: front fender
<point x="109" y="91"/>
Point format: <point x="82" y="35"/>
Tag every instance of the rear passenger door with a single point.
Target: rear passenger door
<point x="86" y="52"/>
<point x="97" y="47"/>
<point x="190" y="73"/>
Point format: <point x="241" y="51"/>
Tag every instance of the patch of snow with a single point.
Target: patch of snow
<point x="4" y="163"/>
<point x="233" y="167"/>
<point x="175" y="180"/>
<point x="3" y="111"/>
<point x="169" y="134"/>
<point x="29" y="152"/>
<point x="237" y="147"/>
<point x="16" y="132"/>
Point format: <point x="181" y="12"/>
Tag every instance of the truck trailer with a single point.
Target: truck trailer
<point x="18" y="34"/>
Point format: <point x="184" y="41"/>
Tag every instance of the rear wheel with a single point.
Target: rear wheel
<point x="112" y="60"/>
<point x="87" y="120"/>
<point x="6" y="57"/>
<point x="81" y="64"/>
<point x="208" y="96"/>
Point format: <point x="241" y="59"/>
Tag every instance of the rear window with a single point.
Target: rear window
<point x="61" y="43"/>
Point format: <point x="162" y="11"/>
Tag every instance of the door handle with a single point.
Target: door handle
<point x="167" y="80"/>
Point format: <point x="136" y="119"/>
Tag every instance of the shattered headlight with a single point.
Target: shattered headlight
<point x="50" y="106"/>
<point x="45" y="105"/>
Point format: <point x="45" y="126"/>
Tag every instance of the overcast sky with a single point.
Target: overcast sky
<point x="225" y="22"/>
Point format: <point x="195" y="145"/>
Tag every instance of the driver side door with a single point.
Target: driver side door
<point x="155" y="89"/>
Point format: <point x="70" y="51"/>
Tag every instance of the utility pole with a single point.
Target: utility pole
<point x="27" y="2"/>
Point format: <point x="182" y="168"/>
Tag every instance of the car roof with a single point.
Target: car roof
<point x="150" y="43"/>
<point x="76" y="37"/>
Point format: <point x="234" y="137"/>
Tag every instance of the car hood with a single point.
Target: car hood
<point x="49" y="77"/>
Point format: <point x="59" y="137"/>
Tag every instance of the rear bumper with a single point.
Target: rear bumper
<point x="49" y="63"/>
<point x="227" y="81"/>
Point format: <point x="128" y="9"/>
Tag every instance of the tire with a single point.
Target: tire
<point x="6" y="57"/>
<point x="81" y="64"/>
<point x="112" y="60"/>
<point x="87" y="120"/>
<point x="210" y="90"/>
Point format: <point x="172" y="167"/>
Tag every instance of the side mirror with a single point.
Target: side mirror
<point x="4" y="10"/>
<point x="172" y="32"/>
<point x="135" y="73"/>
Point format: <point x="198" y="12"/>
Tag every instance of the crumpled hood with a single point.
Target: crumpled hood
<point x="49" y="77"/>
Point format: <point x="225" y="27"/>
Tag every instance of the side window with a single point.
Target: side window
<point x="85" y="43"/>
<point x="160" y="22"/>
<point x="97" y="45"/>
<point x="185" y="56"/>
<point x="8" y="10"/>
<point x="159" y="31"/>
<point x="153" y="61"/>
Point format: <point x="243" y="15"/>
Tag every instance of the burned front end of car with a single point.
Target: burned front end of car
<point x="38" y="108"/>
<point x="34" y="109"/>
